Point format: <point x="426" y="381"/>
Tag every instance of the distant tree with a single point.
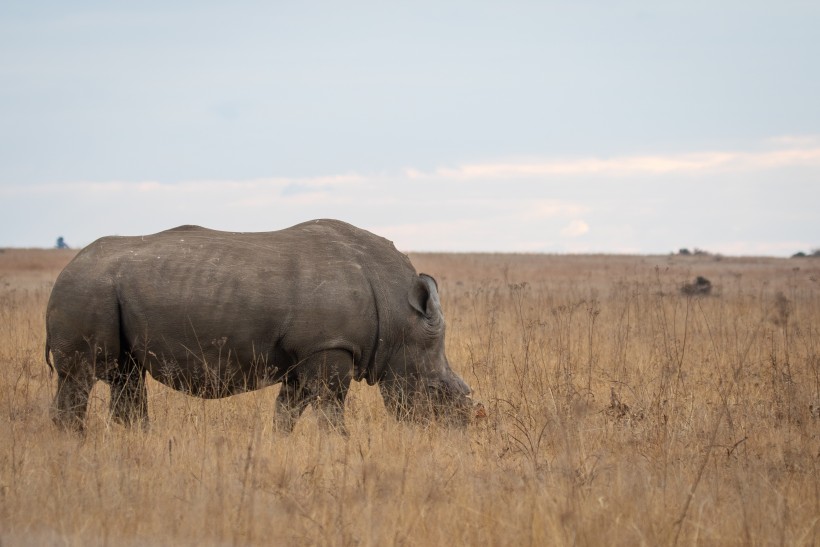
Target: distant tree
<point x="684" y="252"/>
<point x="61" y="244"/>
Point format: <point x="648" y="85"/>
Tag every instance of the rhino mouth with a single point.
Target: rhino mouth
<point x="441" y="402"/>
<point x="450" y="404"/>
<point x="424" y="401"/>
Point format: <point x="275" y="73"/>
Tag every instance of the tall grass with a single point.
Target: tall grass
<point x="619" y="412"/>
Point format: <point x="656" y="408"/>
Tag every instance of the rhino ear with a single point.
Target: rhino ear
<point x="424" y="296"/>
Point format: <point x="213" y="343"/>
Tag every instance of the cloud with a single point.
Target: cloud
<point x="635" y="202"/>
<point x="307" y="184"/>
<point x="549" y="208"/>
<point x="781" y="151"/>
<point x="804" y="141"/>
<point x="576" y="228"/>
<point x="801" y="151"/>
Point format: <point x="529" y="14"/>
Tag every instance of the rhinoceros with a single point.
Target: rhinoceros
<point x="213" y="314"/>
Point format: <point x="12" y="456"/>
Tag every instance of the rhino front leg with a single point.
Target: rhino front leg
<point x="322" y="379"/>
<point x="291" y="402"/>
<point x="129" y="396"/>
<point x="332" y="381"/>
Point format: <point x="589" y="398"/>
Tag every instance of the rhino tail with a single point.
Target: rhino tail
<point x="48" y="357"/>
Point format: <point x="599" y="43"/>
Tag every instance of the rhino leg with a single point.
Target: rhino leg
<point x="129" y="397"/>
<point x="331" y="385"/>
<point x="75" y="378"/>
<point x="291" y="402"/>
<point x="322" y="379"/>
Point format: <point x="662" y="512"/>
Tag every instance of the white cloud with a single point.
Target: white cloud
<point x="804" y="151"/>
<point x="550" y="208"/>
<point x="576" y="228"/>
<point x="639" y="203"/>
<point x="795" y="140"/>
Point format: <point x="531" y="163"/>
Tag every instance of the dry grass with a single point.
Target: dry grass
<point x="620" y="412"/>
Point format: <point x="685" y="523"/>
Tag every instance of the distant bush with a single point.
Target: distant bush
<point x="699" y="287"/>
<point x="814" y="254"/>
<point x="694" y="252"/>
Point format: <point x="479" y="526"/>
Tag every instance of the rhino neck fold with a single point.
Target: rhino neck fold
<point x="373" y="368"/>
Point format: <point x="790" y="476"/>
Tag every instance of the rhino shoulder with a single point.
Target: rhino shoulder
<point x="349" y="232"/>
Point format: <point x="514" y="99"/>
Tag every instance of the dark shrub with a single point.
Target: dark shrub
<point x="700" y="287"/>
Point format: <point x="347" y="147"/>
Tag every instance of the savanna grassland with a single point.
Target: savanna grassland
<point x="619" y="411"/>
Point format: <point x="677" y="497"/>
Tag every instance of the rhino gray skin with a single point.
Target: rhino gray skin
<point x="215" y="313"/>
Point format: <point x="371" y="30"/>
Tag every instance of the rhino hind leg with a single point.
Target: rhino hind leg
<point x="323" y="380"/>
<point x="74" y="382"/>
<point x="129" y="396"/>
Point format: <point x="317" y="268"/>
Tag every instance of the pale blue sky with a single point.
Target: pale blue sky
<point x="585" y="126"/>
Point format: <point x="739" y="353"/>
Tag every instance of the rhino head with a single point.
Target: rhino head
<point x="418" y="383"/>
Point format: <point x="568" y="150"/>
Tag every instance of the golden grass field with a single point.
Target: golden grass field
<point x="619" y="412"/>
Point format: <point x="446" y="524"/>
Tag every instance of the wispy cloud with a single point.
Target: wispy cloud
<point x="801" y="151"/>
<point x="576" y="228"/>
<point x="804" y="141"/>
<point x="549" y="208"/>
<point x="631" y="202"/>
<point x="792" y="150"/>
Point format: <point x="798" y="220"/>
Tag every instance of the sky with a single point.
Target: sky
<point x="589" y="126"/>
